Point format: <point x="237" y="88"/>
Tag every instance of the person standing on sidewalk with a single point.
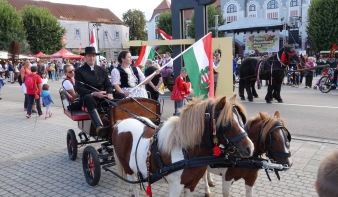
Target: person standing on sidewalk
<point x="25" y="70"/>
<point x="33" y="85"/>
<point x="11" y="72"/>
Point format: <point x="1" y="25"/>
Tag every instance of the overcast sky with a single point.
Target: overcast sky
<point x="118" y="6"/>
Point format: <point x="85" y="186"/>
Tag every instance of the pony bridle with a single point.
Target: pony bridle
<point x="210" y="122"/>
<point x="268" y="141"/>
<point x="285" y="57"/>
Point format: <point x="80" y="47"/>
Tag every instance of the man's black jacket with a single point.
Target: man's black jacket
<point x="97" y="78"/>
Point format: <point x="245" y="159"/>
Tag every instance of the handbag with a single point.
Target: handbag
<point x="176" y="94"/>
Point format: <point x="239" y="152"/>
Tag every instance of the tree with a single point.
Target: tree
<point x="11" y="26"/>
<point x="136" y="21"/>
<point x="323" y="24"/>
<point x="164" y="23"/>
<point x="212" y="11"/>
<point x="44" y="32"/>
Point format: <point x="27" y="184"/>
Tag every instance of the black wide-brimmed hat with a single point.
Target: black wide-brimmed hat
<point x="89" y="50"/>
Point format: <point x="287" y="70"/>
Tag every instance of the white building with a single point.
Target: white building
<point x="78" y="21"/>
<point x="294" y="11"/>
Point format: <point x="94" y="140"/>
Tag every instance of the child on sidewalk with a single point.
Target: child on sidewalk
<point x="46" y="99"/>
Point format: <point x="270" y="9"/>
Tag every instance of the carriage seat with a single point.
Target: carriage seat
<point x="75" y="115"/>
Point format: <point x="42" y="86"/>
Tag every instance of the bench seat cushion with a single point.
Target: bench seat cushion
<point x="77" y="115"/>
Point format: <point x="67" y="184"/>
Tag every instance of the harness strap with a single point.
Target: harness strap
<point x="238" y="137"/>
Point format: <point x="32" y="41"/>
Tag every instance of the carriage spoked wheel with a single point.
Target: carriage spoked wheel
<point x="324" y="84"/>
<point x="71" y="144"/>
<point x="91" y="165"/>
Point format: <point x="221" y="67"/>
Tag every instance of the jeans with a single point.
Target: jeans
<point x="11" y="76"/>
<point x="31" y="99"/>
<point x="53" y="74"/>
<point x="179" y="104"/>
<point x="25" y="103"/>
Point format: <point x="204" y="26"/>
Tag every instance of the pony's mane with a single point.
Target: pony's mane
<point x="268" y="121"/>
<point x="187" y="130"/>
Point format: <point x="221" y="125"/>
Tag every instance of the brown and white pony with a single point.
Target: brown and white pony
<point x="177" y="133"/>
<point x="270" y="137"/>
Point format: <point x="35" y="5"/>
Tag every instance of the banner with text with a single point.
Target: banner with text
<point x="262" y="42"/>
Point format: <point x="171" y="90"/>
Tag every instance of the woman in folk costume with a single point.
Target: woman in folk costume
<point x="166" y="72"/>
<point x="125" y="77"/>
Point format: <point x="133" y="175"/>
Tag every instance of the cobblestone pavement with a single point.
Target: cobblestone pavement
<point x="34" y="162"/>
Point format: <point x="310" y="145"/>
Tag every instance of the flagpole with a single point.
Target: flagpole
<point x="150" y="76"/>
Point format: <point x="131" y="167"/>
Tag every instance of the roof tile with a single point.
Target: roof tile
<point x="71" y="12"/>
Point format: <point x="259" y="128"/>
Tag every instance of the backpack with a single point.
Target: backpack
<point x="30" y="83"/>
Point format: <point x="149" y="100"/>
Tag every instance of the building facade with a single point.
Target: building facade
<point x="295" y="13"/>
<point x="79" y="20"/>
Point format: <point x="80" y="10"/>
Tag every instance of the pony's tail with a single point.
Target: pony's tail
<point x="120" y="170"/>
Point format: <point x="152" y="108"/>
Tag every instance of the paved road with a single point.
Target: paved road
<point x="307" y="112"/>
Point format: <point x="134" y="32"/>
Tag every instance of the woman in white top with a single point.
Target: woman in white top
<point x="126" y="77"/>
<point x="68" y="82"/>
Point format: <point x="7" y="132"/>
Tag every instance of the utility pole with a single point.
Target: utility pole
<point x="97" y="26"/>
<point x="216" y="26"/>
<point x="284" y="27"/>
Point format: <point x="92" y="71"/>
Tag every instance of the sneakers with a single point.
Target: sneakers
<point x="42" y="115"/>
<point x="28" y="116"/>
<point x="50" y="115"/>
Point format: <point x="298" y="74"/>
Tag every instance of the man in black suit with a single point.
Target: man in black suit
<point x="96" y="76"/>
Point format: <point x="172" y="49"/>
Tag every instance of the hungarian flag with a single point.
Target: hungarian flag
<point x="164" y="35"/>
<point x="198" y="61"/>
<point x="92" y="43"/>
<point x="147" y="52"/>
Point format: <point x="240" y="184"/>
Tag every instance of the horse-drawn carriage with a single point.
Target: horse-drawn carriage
<point x="208" y="133"/>
<point x="110" y="114"/>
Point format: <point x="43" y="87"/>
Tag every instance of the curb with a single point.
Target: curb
<point x="311" y="139"/>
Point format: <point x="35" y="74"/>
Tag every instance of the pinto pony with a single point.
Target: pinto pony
<point x="270" y="137"/>
<point x="132" y="139"/>
<point x="272" y="69"/>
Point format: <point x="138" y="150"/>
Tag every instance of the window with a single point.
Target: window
<point x="293" y="3"/>
<point x="156" y="34"/>
<point x="156" y="18"/>
<point x="77" y="35"/>
<point x="232" y="8"/>
<point x="116" y="55"/>
<point x="273" y="4"/>
<point x="117" y="35"/>
<point x="105" y="35"/>
<point x="252" y="7"/>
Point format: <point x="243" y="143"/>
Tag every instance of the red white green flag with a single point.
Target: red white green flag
<point x="199" y="64"/>
<point x="147" y="52"/>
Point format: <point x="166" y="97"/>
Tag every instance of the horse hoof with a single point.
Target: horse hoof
<point x="280" y="101"/>
<point x="268" y="101"/>
<point x="256" y="96"/>
<point x="211" y="184"/>
<point x="207" y="195"/>
<point x="242" y="98"/>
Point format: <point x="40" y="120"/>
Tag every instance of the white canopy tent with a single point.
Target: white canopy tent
<point x="251" y="24"/>
<point x="4" y="55"/>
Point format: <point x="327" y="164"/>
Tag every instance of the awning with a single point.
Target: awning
<point x="250" y="24"/>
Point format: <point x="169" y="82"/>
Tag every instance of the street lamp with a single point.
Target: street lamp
<point x="97" y="26"/>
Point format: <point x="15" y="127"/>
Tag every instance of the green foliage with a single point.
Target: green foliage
<point x="212" y="11"/>
<point x="136" y="21"/>
<point x="164" y="23"/>
<point x="44" y="32"/>
<point x="11" y="27"/>
<point x="323" y="24"/>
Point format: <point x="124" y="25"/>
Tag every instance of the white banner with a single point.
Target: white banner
<point x="262" y="42"/>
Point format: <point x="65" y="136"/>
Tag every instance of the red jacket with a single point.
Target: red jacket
<point x="183" y="86"/>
